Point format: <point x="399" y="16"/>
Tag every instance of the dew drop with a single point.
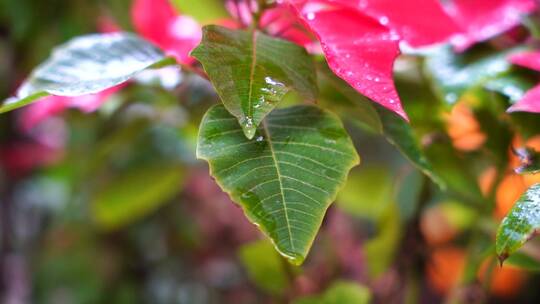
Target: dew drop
<point x="311" y="16"/>
<point x="383" y="20"/>
<point x="259" y="139"/>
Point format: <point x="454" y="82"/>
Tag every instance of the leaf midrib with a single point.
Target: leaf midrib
<point x="275" y="160"/>
<point x="252" y="72"/>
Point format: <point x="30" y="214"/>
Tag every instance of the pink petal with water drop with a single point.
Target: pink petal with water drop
<point x="484" y="19"/>
<point x="529" y="103"/>
<point x="358" y="49"/>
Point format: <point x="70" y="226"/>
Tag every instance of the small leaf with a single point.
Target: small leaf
<point x="264" y="266"/>
<point x="400" y="134"/>
<point x="521" y="224"/>
<point x="252" y="72"/>
<point x="87" y="65"/>
<point x="341" y="292"/>
<point x="524" y="261"/>
<point x="135" y="194"/>
<point x="452" y="74"/>
<point x="287" y="176"/>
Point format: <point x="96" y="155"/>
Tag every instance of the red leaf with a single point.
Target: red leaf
<point x="418" y="22"/>
<point x="358" y="49"/>
<point x="529" y="60"/>
<point x="157" y="21"/>
<point x="484" y="19"/>
<point x="282" y="22"/>
<point x="529" y="103"/>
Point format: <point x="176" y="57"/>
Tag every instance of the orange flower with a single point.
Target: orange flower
<point x="464" y="129"/>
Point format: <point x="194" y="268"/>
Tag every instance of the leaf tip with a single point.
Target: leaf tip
<point x="502" y="257"/>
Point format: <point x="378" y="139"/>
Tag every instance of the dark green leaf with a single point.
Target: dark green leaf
<point x="86" y="65"/>
<point x="287" y="176"/>
<point x="521" y="224"/>
<point x="523" y="261"/>
<point x="252" y="72"/>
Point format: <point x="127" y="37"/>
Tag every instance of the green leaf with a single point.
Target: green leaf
<point x="287" y="176"/>
<point x="452" y="74"/>
<point x="514" y="86"/>
<point x="521" y="224"/>
<point x="86" y="65"/>
<point x="264" y="266"/>
<point x="135" y="194"/>
<point x="400" y="134"/>
<point x="523" y="261"/>
<point x="252" y="72"/>
<point x="341" y="292"/>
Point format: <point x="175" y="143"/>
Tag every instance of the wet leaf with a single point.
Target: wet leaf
<point x="452" y="74"/>
<point x="287" y="176"/>
<point x="341" y="292"/>
<point x="521" y="224"/>
<point x="252" y="72"/>
<point x="87" y="65"/>
<point x="135" y="194"/>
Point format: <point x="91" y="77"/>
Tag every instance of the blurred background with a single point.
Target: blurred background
<point x="113" y="207"/>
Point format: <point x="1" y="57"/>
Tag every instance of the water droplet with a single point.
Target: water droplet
<point x="383" y="20"/>
<point x="259" y="139"/>
<point x="310" y="16"/>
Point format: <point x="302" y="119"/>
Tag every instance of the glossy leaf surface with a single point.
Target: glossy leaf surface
<point x="87" y="65"/>
<point x="358" y="49"/>
<point x="287" y="176"/>
<point x="252" y="72"/>
<point x="521" y="224"/>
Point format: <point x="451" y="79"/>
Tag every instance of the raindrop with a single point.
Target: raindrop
<point x="311" y="16"/>
<point x="383" y="20"/>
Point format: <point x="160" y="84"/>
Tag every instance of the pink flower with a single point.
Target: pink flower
<point x="531" y="101"/>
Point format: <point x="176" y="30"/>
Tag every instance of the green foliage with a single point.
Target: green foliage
<point x="287" y="176"/>
<point x="87" y="65"/>
<point x="250" y="74"/>
<point x="520" y="224"/>
<point x="342" y="292"/>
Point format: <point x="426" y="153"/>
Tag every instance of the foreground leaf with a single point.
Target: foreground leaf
<point x="252" y="72"/>
<point x="135" y="194"/>
<point x="87" y="65"/>
<point x="521" y="224"/>
<point x="287" y="176"/>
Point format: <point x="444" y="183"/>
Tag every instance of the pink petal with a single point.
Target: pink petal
<point x="358" y="49"/>
<point x="529" y="103"/>
<point x="418" y="22"/>
<point x="157" y="21"/>
<point x="282" y="22"/>
<point x="484" y="19"/>
<point x="529" y="60"/>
